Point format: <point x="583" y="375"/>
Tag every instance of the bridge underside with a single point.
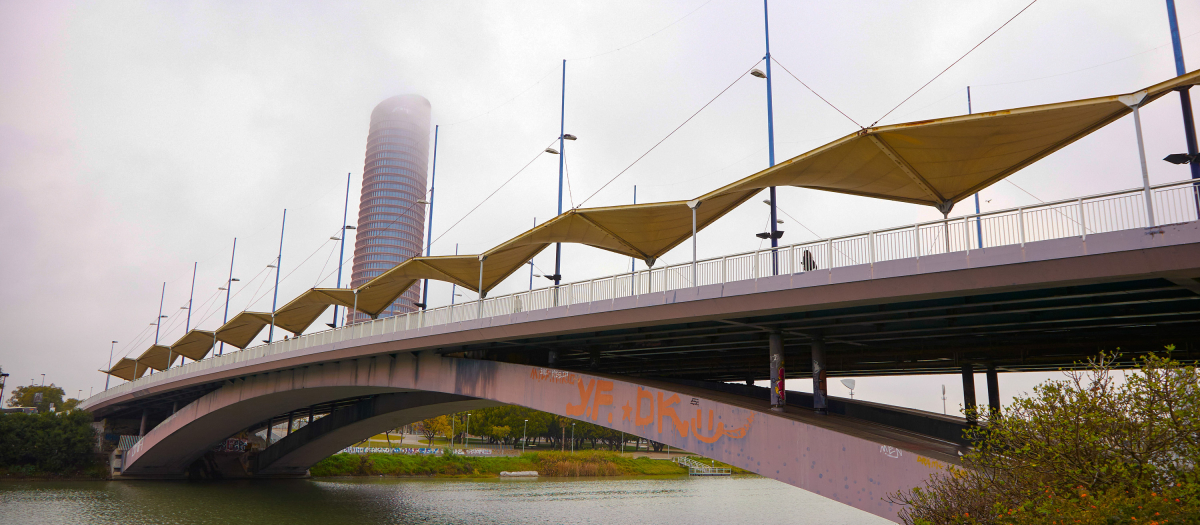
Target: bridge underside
<point x="849" y="459"/>
<point x="1028" y="330"/>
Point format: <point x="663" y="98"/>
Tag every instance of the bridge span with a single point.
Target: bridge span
<point x="1051" y="285"/>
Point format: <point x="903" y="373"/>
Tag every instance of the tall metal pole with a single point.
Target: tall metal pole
<point x="1185" y="98"/>
<point x="342" y="249"/>
<point x="562" y="154"/>
<point x="106" y="376"/>
<point x="158" y="322"/>
<point x="187" y="327"/>
<point x="632" y="261"/>
<point x="278" y="264"/>
<point x="453" y="287"/>
<point x="429" y="236"/>
<point x="531" y="262"/>
<point x="228" y="287"/>
<point x="771" y="143"/>
<point x="978" y="220"/>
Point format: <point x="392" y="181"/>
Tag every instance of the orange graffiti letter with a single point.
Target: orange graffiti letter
<point x="584" y="397"/>
<point x="665" y="410"/>
<point x="602" y="399"/>
<point x="638" y="420"/>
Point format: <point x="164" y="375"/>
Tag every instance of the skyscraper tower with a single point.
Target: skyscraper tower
<point x="390" y="221"/>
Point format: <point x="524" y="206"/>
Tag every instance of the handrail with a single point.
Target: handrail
<point x="1111" y="216"/>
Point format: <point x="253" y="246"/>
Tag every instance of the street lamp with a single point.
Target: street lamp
<point x="572" y="438"/>
<point x="467" y="434"/>
<point x="523" y="431"/>
<point x="1182" y="158"/>
<point x="106" y="376"/>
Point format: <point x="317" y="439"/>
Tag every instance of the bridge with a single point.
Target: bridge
<point x="655" y="353"/>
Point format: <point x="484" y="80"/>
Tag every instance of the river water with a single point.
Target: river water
<point x="358" y="501"/>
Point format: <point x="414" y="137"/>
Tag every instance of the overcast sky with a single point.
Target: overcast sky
<point x="138" y="138"/>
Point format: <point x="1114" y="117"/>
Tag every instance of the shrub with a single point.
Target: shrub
<point x="1085" y="449"/>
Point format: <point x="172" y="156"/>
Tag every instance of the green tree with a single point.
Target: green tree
<point x="24" y="396"/>
<point x="1088" y="447"/>
<point x="50" y="443"/>
<point x="434" y="426"/>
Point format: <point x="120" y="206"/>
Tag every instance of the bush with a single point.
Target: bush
<point x="48" y="443"/>
<point x="1087" y="449"/>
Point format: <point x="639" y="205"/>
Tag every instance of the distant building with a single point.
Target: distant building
<point x="390" y="222"/>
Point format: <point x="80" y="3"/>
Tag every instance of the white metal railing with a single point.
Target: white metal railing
<point x="1079" y="217"/>
<point x="696" y="468"/>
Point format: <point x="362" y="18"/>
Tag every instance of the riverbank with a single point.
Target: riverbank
<point x="548" y="464"/>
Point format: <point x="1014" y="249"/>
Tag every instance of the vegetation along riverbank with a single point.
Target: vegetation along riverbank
<point x="550" y="464"/>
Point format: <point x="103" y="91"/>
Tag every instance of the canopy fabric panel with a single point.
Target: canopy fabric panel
<point x="375" y="296"/>
<point x="301" y="312"/>
<point x="158" y="357"/>
<point x="942" y="161"/>
<point x="243" y="328"/>
<point x="642" y="231"/>
<point x="127" y="369"/>
<point x="195" y="344"/>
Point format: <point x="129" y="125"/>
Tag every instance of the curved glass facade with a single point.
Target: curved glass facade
<point x="390" y="222"/>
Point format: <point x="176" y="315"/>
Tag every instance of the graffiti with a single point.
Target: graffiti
<point x="890" y="451"/>
<point x="405" y="450"/>
<point x="930" y="463"/>
<point x="553" y="376"/>
<point x="233" y="444"/>
<point x="649" y="407"/>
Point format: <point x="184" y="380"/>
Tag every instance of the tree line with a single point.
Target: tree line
<point x="508" y="425"/>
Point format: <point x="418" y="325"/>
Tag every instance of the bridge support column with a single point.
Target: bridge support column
<point x="142" y="428"/>
<point x="270" y="424"/>
<point x="778" y="391"/>
<point x="993" y="386"/>
<point x="968" y="378"/>
<point x="820" y="385"/>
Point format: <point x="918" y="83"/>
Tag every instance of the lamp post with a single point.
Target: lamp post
<point x="523" y="430"/>
<point x="1185" y="98"/>
<point x="467" y="434"/>
<point x="572" y="438"/>
<point x="278" y="264"/>
<point x="158" y="323"/>
<point x="106" y="376"/>
<point x="228" y="286"/>
<point x="342" y="249"/>
<point x="429" y="236"/>
<point x="774" y="234"/>
<point x="562" y="154"/>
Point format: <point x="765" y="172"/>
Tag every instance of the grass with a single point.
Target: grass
<point x="553" y="464"/>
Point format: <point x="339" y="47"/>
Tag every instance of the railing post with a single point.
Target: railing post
<point x="829" y="253"/>
<point x="1082" y="220"/>
<point x="1021" y="224"/>
<point x="917" y="239"/>
<point x="724" y="260"/>
<point x="755" y="264"/>
<point x="871" y="247"/>
<point x="967" y="234"/>
<point x="946" y="232"/>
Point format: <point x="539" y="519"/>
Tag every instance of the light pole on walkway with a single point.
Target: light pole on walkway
<point x="228" y="287"/>
<point x="106" y="376"/>
<point x="523" y="434"/>
<point x="342" y="248"/>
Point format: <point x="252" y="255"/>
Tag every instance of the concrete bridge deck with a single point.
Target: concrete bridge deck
<point x="1037" y="304"/>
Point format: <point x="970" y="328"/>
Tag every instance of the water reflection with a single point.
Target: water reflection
<point x="410" y="501"/>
